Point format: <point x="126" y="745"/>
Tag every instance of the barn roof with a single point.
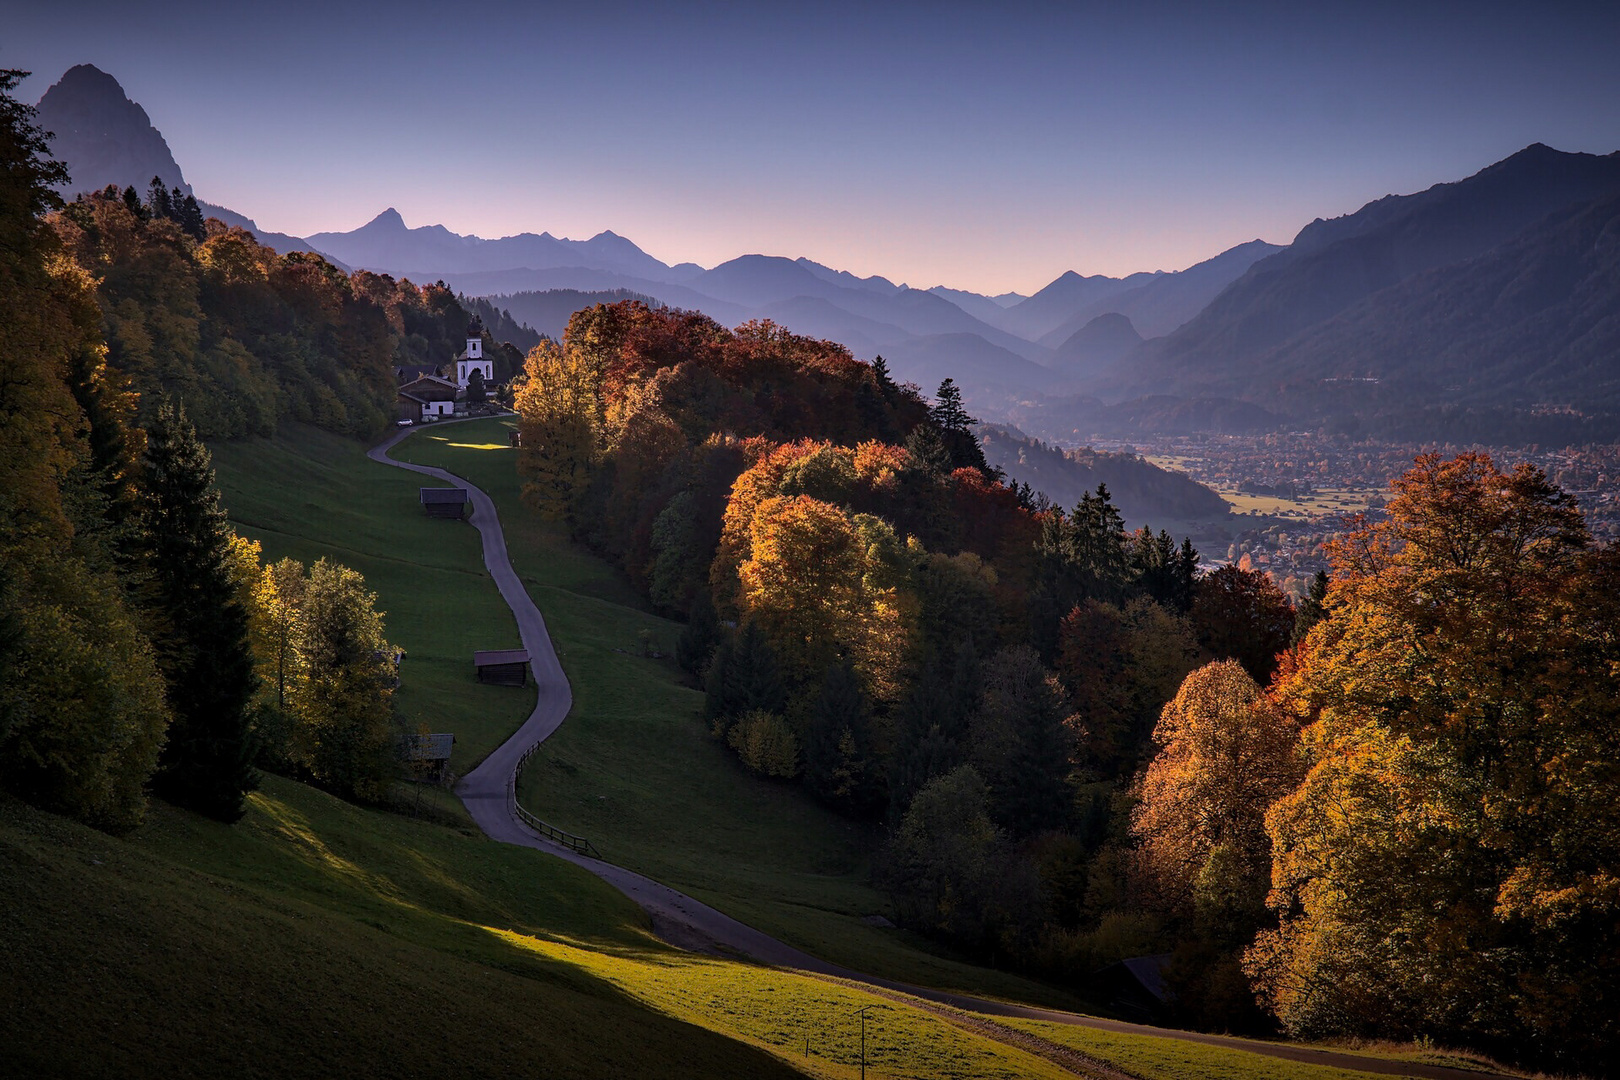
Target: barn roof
<point x="428" y="747"/>
<point x="500" y="656"/>
<point x="435" y="496"/>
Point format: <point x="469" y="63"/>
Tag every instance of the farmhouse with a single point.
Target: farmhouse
<point x="426" y="397"/>
<point x="503" y="667"/>
<point x="448" y="502"/>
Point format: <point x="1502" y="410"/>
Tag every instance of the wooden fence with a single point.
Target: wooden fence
<point x="573" y="843"/>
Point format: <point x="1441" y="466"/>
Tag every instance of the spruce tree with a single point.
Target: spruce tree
<point x="700" y="637"/>
<point x="837" y="765"/>
<point x="1312" y="609"/>
<point x="956" y="430"/>
<point x="199" y="629"/>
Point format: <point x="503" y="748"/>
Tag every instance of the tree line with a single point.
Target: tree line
<point x="243" y="338"/>
<point x="138" y="635"/>
<point x="1386" y="813"/>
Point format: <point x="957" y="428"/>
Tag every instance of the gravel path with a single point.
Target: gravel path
<point x="489" y="794"/>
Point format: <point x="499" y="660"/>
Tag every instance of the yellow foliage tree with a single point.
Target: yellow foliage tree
<point x="1225" y="755"/>
<point x="559" y="408"/>
<point x="1450" y="865"/>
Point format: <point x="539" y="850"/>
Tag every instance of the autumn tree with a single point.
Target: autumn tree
<point x="201" y="629"/>
<point x="85" y="717"/>
<point x="1241" y="615"/>
<point x="345" y="734"/>
<point x="1225" y="754"/>
<point x="559" y="411"/>
<point x="1448" y="865"/>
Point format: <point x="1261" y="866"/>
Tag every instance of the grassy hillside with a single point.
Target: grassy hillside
<point x="635" y="769"/>
<point x="310" y="494"/>
<point x="315" y="938"/>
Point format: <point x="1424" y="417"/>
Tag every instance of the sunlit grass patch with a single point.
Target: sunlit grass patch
<point x="813" y="1024"/>
<point x="1154" y="1058"/>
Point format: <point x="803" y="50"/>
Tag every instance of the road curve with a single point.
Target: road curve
<point x="489" y="793"/>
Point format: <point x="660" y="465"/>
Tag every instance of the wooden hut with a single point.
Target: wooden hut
<point x="445" y="502"/>
<point x="503" y="667"/>
<point x="428" y="755"/>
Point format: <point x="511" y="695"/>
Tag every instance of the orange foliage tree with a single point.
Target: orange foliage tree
<point x="1450" y="865"/>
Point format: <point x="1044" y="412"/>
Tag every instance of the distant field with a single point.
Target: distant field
<point x="1323" y="501"/>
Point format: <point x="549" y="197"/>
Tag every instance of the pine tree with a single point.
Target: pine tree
<point x="947" y="411"/>
<point x="1311" y="610"/>
<point x="158" y="205"/>
<point x="956" y="431"/>
<point x="837" y="764"/>
<point x="699" y="637"/>
<point x="190" y="216"/>
<point x="928" y="450"/>
<point x="200" y="629"/>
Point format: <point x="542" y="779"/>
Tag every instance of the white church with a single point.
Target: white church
<point x="473" y="359"/>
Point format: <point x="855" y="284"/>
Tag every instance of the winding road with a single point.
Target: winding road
<point x="489" y="793"/>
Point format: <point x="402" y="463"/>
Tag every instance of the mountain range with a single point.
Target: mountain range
<point x="1486" y="298"/>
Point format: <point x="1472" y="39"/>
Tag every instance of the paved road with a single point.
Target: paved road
<point x="489" y="795"/>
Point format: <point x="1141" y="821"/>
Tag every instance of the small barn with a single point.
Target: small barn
<point x="502" y="667"/>
<point x="429" y="755"/>
<point x="1135" y="987"/>
<point x="445" y="502"/>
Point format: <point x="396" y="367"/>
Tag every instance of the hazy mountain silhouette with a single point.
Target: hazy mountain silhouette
<point x="1097" y="346"/>
<point x="1167" y="301"/>
<point x="102" y="136"/>
<point x="1534" y="321"/>
<point x="386" y="245"/>
<point x="1332" y="265"/>
<point x="105" y="138"/>
<point x="1055" y="305"/>
<point x="990" y="309"/>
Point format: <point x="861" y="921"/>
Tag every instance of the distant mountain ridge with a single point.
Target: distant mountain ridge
<point x="1333" y="265"/>
<point x="386" y="244"/>
<point x="1494" y="292"/>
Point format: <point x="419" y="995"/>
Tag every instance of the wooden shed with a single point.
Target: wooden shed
<point x="503" y="667"/>
<point x="428" y="755"/>
<point x="445" y="502"/>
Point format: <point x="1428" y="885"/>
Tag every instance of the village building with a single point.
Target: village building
<point x="473" y="359"/>
<point x="426" y="397"/>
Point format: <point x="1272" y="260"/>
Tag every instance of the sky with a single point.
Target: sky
<point x="988" y="147"/>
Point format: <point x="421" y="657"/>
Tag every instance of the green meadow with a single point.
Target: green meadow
<point x="316" y="938"/>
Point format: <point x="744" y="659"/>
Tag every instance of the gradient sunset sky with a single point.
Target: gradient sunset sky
<point x="982" y="147"/>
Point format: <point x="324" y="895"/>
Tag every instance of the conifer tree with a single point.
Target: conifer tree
<point x="837" y="763"/>
<point x="200" y="629"/>
<point x="1311" y="610"/>
<point x="699" y="637"/>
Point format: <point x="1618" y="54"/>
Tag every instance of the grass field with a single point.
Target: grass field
<point x="310" y="494"/>
<point x="635" y="769"/>
<point x="315" y="938"/>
